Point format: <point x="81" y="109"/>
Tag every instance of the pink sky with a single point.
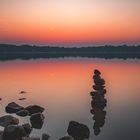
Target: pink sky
<point x="67" y="22"/>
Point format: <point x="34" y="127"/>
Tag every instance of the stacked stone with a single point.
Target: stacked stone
<point x="98" y="102"/>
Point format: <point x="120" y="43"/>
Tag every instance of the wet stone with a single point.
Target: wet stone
<point x="8" y="119"/>
<point x="13" y="108"/>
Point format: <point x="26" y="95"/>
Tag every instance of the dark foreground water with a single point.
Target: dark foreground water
<point x="62" y="87"/>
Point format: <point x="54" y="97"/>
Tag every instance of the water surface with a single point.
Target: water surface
<point x="62" y="87"/>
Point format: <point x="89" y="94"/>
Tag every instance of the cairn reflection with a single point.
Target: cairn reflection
<point x="98" y="102"/>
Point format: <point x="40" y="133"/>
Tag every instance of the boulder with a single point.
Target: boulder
<point x="45" y="136"/>
<point x="22" y="113"/>
<point x="8" y="119"/>
<point x="37" y="120"/>
<point x="34" y="109"/>
<point x="78" y="130"/>
<point x="13" y="108"/>
<point x="13" y="132"/>
<point x="66" y="138"/>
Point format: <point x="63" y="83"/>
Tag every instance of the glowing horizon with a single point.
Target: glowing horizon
<point x="70" y="22"/>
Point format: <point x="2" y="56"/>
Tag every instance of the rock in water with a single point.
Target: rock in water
<point x="23" y="113"/>
<point x="27" y="128"/>
<point x="13" y="108"/>
<point x="99" y="81"/>
<point x="66" y="138"/>
<point x="23" y="92"/>
<point x="37" y="120"/>
<point x="13" y="132"/>
<point x="97" y="72"/>
<point x="78" y="130"/>
<point x="34" y="109"/>
<point x="45" y="136"/>
<point x="98" y="87"/>
<point x="8" y="119"/>
<point x="21" y="99"/>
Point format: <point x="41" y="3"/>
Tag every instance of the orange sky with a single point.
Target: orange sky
<point x="70" y="21"/>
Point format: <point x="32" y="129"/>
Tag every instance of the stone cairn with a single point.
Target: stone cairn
<point x="98" y="102"/>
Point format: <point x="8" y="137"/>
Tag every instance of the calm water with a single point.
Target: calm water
<point x="62" y="87"/>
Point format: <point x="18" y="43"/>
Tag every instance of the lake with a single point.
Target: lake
<point x="63" y="86"/>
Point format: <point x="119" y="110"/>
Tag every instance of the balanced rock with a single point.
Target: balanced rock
<point x="78" y="130"/>
<point x="99" y="81"/>
<point x="34" y="109"/>
<point x="13" y="108"/>
<point x="22" y="113"/>
<point x="37" y="120"/>
<point x="98" y="87"/>
<point x="96" y="77"/>
<point x="97" y="72"/>
<point x="8" y="119"/>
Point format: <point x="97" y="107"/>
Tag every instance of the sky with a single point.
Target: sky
<point x="70" y="22"/>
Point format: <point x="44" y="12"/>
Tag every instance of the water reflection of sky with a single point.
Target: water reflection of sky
<point x="62" y="86"/>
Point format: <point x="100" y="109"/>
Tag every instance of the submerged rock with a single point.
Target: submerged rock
<point x="34" y="109"/>
<point x="37" y="120"/>
<point x="8" y="119"/>
<point x="45" y="136"/>
<point x="23" y="92"/>
<point x="66" y="138"/>
<point x="22" y="99"/>
<point x="22" y="113"/>
<point x="78" y="130"/>
<point x="13" y="108"/>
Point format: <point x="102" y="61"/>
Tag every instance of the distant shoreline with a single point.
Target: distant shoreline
<point x="47" y="55"/>
<point x="11" y="52"/>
